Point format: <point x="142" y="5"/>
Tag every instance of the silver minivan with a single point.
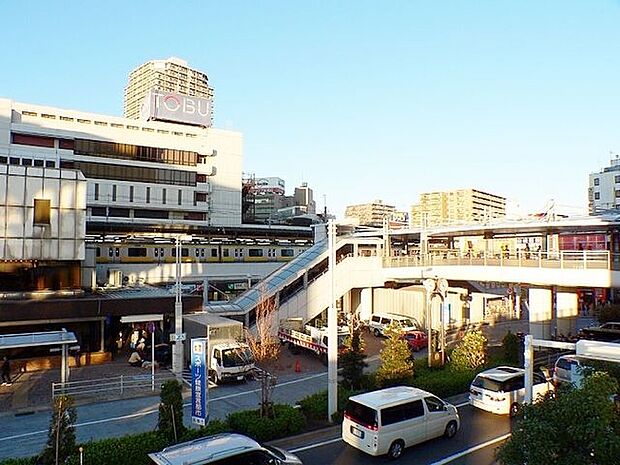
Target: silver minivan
<point x="380" y="321"/>
<point x="223" y="449"/>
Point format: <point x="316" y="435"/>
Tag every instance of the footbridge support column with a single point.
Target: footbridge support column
<point x="541" y="312"/>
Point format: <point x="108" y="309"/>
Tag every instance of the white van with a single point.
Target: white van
<point x="223" y="449"/>
<point x="568" y="369"/>
<point x="380" y="321"/>
<point x="388" y="420"/>
<point x="502" y="389"/>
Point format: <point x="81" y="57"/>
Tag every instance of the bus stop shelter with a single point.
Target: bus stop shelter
<point x="62" y="338"/>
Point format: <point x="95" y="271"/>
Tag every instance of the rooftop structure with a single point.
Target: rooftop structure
<point x="171" y="75"/>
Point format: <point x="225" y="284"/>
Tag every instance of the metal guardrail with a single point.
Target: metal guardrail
<point x="586" y="259"/>
<point x="116" y="386"/>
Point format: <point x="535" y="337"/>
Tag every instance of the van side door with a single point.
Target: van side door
<point x="437" y="417"/>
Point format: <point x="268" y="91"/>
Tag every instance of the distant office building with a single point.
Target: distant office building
<point x="604" y="188"/>
<point x="457" y="207"/>
<point x="168" y="77"/>
<point x="304" y="198"/>
<point x="370" y="214"/>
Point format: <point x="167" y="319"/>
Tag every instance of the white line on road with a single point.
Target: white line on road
<point x="151" y="411"/>
<point x="318" y="444"/>
<point x="458" y="455"/>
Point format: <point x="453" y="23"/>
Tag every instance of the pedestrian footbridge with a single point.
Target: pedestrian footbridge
<point x="302" y="287"/>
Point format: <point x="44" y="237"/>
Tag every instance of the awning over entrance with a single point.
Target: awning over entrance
<point x="47" y="338"/>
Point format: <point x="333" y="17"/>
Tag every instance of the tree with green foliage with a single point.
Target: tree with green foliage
<point x="61" y="437"/>
<point x="575" y="426"/>
<point x="170" y="422"/>
<point x="511" y="346"/>
<point x="352" y="361"/>
<point x="471" y="352"/>
<point x="397" y="367"/>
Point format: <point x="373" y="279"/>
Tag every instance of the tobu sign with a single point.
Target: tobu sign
<point x="177" y="108"/>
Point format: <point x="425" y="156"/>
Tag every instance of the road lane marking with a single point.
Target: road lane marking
<point x="318" y="444"/>
<point x="151" y="411"/>
<point x="458" y="455"/>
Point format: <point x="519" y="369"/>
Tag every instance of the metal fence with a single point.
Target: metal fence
<point x="113" y="387"/>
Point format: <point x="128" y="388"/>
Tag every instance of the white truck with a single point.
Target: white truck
<point x="228" y="357"/>
<point x="298" y="336"/>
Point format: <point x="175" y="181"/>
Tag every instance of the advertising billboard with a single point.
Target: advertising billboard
<point x="199" y="381"/>
<point x="176" y="108"/>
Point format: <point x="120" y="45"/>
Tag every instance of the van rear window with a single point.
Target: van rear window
<point x="361" y="414"/>
<point x="488" y="384"/>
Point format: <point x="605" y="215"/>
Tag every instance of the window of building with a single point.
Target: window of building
<point x="148" y="129"/>
<point x="134" y="128"/>
<point x="116" y="125"/>
<point x="163" y="196"/>
<point x="617" y="193"/>
<point x="114" y="193"/>
<point x="38" y="162"/>
<point x="119" y="212"/>
<point x="26" y="162"/>
<point x="14" y="161"/>
<point x="32" y="140"/>
<point x="66" y="144"/>
<point x="48" y="116"/>
<point x="180" y="197"/>
<point x="201" y="178"/>
<point x="100" y="123"/>
<point x="66" y="118"/>
<point x="148" y="195"/>
<point x="42" y="211"/>
<point x="96" y="191"/>
<point x="50" y="164"/>
<point x="131" y="193"/>
<point x="83" y="121"/>
<point x="29" y="113"/>
<point x="597" y="196"/>
<point x="597" y="181"/>
<point x="4" y="160"/>
<point x="99" y="211"/>
<point x="214" y="253"/>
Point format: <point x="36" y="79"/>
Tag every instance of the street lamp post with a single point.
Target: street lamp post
<point x="177" y="348"/>
<point x="332" y="328"/>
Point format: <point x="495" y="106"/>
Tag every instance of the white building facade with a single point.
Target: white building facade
<point x="139" y="172"/>
<point x="604" y="188"/>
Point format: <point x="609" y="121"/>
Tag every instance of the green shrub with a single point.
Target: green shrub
<point x="170" y="422"/>
<point x="444" y="382"/>
<point x="26" y="461"/>
<point x="511" y="347"/>
<point x="314" y="407"/>
<point x="396" y="364"/>
<point x="287" y="421"/>
<point x="213" y="427"/>
<point x="126" y="450"/>
<point x="471" y="353"/>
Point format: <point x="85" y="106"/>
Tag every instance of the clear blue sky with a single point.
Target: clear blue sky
<point x="361" y="99"/>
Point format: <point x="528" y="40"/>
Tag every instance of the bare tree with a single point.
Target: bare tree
<point x="263" y="340"/>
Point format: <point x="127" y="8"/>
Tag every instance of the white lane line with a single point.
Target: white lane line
<point x="462" y="404"/>
<point x="458" y="455"/>
<point x="318" y="444"/>
<point x="151" y="411"/>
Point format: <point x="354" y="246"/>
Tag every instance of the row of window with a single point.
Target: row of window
<point x="143" y="213"/>
<point x="102" y="123"/>
<point x="198" y="196"/>
<point x="132" y="173"/>
<point x="199" y="252"/>
<point x="135" y="152"/>
<point x="27" y="162"/>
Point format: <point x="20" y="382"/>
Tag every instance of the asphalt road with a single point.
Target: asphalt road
<point x="477" y="427"/>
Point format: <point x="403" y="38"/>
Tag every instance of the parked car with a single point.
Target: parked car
<point x="417" y="340"/>
<point x="609" y="332"/>
<point x="388" y="420"/>
<point x="223" y="449"/>
<point x="502" y="390"/>
<point x="380" y="321"/>
<point x="567" y="369"/>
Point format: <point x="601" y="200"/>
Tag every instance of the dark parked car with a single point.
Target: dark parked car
<point x="608" y="332"/>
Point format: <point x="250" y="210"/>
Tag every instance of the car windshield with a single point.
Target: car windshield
<point x="237" y="357"/>
<point x="406" y="323"/>
<point x="488" y="384"/>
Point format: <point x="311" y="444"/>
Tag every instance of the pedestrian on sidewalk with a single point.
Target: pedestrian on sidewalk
<point x="6" y="372"/>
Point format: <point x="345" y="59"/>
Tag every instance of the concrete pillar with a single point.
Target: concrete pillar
<point x="540" y="301"/>
<point x="567" y="312"/>
<point x="365" y="303"/>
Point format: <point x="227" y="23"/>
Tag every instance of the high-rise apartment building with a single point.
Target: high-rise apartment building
<point x="171" y="75"/>
<point x="370" y="214"/>
<point x="457" y="206"/>
<point x="304" y="198"/>
<point x="604" y="188"/>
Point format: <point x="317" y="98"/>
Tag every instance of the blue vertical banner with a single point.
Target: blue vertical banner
<point x="200" y="383"/>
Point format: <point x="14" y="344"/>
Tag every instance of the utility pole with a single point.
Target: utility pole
<point x="177" y="348"/>
<point x="332" y="327"/>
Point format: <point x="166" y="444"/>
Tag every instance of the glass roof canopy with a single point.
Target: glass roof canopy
<point x="47" y="338"/>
